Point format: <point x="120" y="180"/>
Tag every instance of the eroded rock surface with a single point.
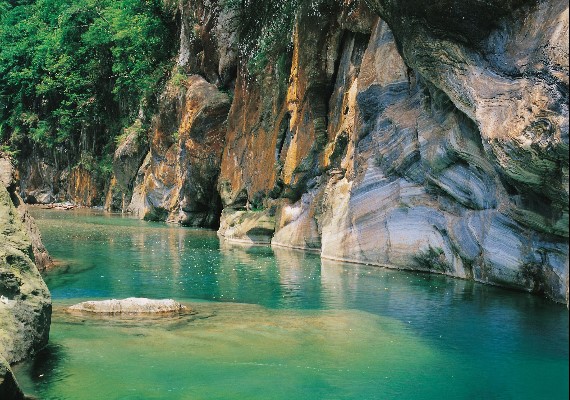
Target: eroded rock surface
<point x="131" y="305"/>
<point x="435" y="140"/>
<point x="42" y="259"/>
<point x="176" y="182"/>
<point x="25" y="303"/>
<point x="409" y="134"/>
<point x="395" y="133"/>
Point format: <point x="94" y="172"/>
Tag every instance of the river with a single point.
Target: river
<point x="279" y="324"/>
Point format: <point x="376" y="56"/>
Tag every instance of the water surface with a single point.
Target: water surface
<point x="280" y="324"/>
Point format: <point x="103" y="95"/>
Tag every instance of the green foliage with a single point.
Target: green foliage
<point x="265" y="28"/>
<point x="138" y="129"/>
<point x="101" y="167"/>
<point x="73" y="72"/>
<point x="179" y="79"/>
<point x="105" y="167"/>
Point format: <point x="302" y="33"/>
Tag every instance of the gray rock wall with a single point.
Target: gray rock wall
<point x="447" y="147"/>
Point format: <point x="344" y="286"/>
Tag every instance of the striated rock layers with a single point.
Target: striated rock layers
<point x="411" y="135"/>
<point x="25" y="304"/>
<point x="177" y="179"/>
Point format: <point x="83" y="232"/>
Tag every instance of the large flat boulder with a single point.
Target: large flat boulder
<point x="131" y="305"/>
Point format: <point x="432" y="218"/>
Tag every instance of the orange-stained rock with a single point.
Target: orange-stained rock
<point x="407" y="172"/>
<point x="278" y="122"/>
<point x="84" y="188"/>
<point x="177" y="180"/>
<point x="258" y="129"/>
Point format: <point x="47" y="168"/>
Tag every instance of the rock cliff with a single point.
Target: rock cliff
<point x="391" y="132"/>
<point x="25" y="305"/>
<point x="41" y="182"/>
<point x="430" y="137"/>
<point x="177" y="179"/>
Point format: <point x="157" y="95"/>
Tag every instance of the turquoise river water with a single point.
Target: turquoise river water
<point x="279" y="324"/>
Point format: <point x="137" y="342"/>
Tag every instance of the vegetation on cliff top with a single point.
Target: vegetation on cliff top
<point x="73" y="73"/>
<point x="265" y="28"/>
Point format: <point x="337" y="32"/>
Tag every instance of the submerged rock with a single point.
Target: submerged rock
<point x="131" y="305"/>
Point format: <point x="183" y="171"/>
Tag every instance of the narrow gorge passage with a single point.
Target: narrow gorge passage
<point x="306" y="199"/>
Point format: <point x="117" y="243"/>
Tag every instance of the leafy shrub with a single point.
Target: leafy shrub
<point x="265" y="28"/>
<point x="73" y="72"/>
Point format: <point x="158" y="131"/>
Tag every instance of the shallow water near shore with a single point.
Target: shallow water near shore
<point x="279" y="324"/>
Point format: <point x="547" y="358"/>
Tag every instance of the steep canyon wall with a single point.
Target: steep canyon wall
<point x="393" y="133"/>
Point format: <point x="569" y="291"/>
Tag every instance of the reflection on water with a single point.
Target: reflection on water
<point x="281" y="324"/>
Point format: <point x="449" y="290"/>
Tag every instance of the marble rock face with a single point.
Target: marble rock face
<point x="176" y="182"/>
<point x="423" y="140"/>
<point x="409" y="134"/>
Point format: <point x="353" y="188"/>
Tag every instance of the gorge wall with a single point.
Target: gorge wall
<point x="25" y="302"/>
<point x="393" y="133"/>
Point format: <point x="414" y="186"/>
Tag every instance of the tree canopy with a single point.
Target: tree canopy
<point x="72" y="73"/>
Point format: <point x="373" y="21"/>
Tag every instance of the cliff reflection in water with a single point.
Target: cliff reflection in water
<point x="281" y="324"/>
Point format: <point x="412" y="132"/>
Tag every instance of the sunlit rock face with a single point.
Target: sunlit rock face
<point x="41" y="182"/>
<point x="131" y="151"/>
<point x="176" y="182"/>
<point x="409" y="134"/>
<point x="41" y="258"/>
<point x="25" y="304"/>
<point x="437" y="140"/>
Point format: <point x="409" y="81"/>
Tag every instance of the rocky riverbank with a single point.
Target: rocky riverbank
<point x="25" y="302"/>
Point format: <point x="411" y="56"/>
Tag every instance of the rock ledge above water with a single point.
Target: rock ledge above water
<point x="129" y="306"/>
